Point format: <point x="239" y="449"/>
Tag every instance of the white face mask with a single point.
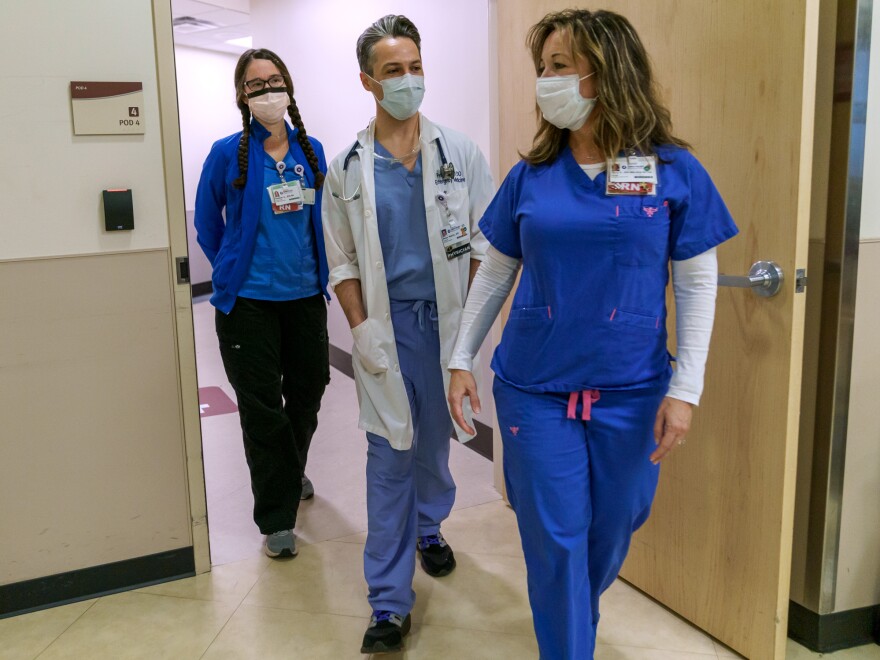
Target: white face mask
<point x="561" y="103"/>
<point x="269" y="107"/>
<point x="402" y="96"/>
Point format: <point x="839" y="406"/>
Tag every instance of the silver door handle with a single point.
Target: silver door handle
<point x="765" y="279"/>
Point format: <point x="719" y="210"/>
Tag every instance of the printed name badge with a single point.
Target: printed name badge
<point x="632" y="175"/>
<point x="287" y="197"/>
<point x="456" y="239"/>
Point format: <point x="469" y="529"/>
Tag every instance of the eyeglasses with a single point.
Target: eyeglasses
<point x="257" y="84"/>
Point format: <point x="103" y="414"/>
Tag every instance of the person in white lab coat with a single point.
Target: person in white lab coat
<point x="400" y="214"/>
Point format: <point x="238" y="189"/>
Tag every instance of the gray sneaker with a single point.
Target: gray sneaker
<point x="280" y="544"/>
<point x="308" y="491"/>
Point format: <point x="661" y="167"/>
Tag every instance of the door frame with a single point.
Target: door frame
<point x="825" y="543"/>
<point x="181" y="291"/>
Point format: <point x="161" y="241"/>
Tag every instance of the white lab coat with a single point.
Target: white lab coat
<point x="351" y="236"/>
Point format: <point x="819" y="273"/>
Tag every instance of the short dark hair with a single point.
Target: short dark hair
<point x="392" y="25"/>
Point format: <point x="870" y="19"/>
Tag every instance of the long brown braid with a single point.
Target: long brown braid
<point x="240" y="95"/>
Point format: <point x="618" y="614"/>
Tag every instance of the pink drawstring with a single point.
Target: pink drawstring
<point x="589" y="397"/>
<point x="572" y="404"/>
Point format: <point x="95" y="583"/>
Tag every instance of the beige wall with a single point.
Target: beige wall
<point x="51" y="44"/>
<point x="92" y="468"/>
<point x="91" y="438"/>
<point x="858" y="571"/>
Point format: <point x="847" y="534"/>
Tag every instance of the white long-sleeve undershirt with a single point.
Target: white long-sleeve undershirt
<point x="489" y="290"/>
<point x="694" y="283"/>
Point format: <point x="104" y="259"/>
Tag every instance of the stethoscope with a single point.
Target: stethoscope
<point x="447" y="171"/>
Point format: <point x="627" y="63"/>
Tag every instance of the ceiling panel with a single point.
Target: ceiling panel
<point x="225" y="14"/>
<point x="226" y="17"/>
<point x="196" y="7"/>
<point x="190" y="8"/>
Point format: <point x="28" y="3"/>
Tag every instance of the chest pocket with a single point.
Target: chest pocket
<point x="641" y="232"/>
<point x="456" y="205"/>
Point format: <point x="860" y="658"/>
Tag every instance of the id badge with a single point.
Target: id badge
<point x="632" y="175"/>
<point x="286" y="197"/>
<point x="456" y="239"/>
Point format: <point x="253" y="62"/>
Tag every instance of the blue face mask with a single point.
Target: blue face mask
<point x="402" y="95"/>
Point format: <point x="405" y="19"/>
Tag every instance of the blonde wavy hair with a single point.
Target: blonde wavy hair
<point x="629" y="114"/>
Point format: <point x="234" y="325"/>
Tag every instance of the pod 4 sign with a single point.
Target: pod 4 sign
<point x="107" y="108"/>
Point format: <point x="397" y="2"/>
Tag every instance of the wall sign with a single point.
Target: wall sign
<point x="107" y="108"/>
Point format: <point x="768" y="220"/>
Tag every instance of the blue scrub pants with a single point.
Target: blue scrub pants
<point x="409" y="493"/>
<point x="580" y="481"/>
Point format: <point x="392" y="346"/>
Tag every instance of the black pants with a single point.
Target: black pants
<point x="277" y="361"/>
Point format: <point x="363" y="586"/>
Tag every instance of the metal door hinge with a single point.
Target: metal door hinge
<point x="800" y="280"/>
<point x="182" y="270"/>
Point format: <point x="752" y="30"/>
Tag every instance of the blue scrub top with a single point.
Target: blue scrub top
<point x="285" y="263"/>
<point x="403" y="229"/>
<point x="590" y="309"/>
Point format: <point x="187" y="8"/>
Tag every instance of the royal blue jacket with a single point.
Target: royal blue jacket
<point x="229" y="244"/>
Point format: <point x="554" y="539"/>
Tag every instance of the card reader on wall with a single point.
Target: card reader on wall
<point x="118" y="211"/>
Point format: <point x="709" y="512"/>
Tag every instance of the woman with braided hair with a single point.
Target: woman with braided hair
<point x="269" y="286"/>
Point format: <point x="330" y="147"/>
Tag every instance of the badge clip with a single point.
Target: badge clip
<point x="447" y="171"/>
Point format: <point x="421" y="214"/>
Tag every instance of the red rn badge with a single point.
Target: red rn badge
<point x="630" y="188"/>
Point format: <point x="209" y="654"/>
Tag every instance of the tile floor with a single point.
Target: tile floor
<point x="314" y="606"/>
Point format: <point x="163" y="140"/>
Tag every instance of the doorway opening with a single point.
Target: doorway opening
<point x="209" y="37"/>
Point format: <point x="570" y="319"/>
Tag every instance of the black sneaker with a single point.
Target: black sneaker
<point x="386" y="632"/>
<point x="436" y="556"/>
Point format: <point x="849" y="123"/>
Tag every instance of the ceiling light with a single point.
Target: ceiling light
<point x="243" y="42"/>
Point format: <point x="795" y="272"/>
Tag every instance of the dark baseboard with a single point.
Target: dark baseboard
<point x="825" y="633"/>
<point x="85" y="583"/>
<point x="482" y="443"/>
<point x="341" y="361"/>
<point x="202" y="289"/>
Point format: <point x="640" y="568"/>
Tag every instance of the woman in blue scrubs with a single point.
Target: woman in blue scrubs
<point x="259" y="223"/>
<point x="586" y="399"/>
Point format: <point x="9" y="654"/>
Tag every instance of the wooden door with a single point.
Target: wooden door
<point x="739" y="78"/>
